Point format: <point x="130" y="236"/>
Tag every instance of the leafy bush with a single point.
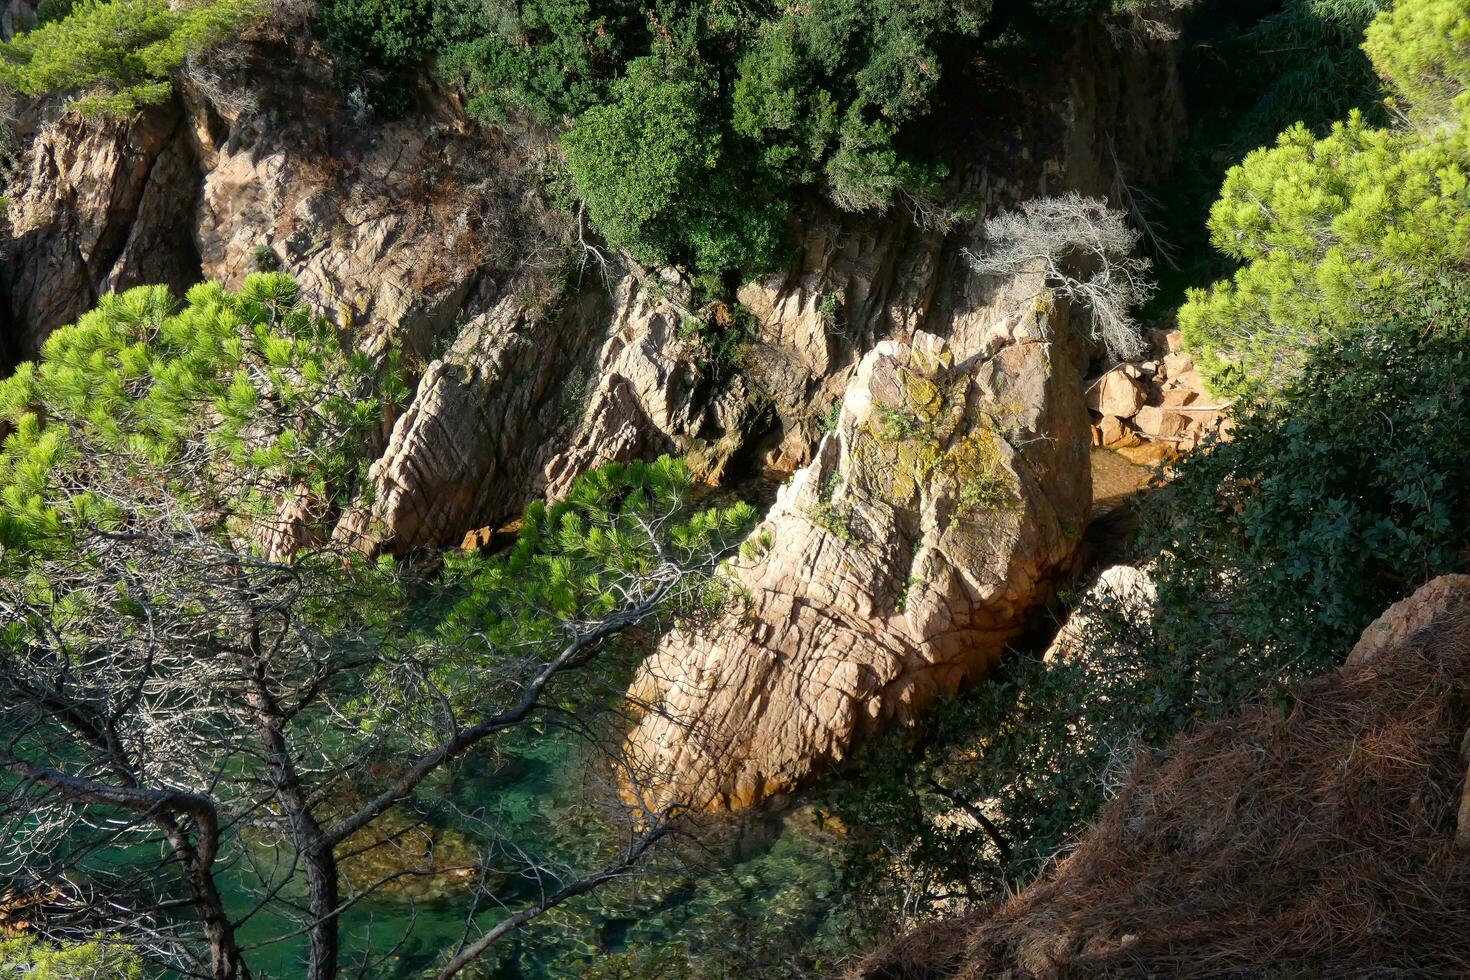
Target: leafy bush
<point x="373" y="43"/>
<point x="1339" y="495"/>
<point x="1323" y="223"/>
<point x="549" y="58"/>
<point x="122" y="51"/>
<point x="28" y="957"/>
<point x="659" y="177"/>
<point x="826" y="87"/>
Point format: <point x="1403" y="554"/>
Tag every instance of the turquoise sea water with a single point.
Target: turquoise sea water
<point x="777" y="869"/>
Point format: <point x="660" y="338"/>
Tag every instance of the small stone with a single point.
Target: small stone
<point x="1177" y="364"/>
<point x="1116" y="433"/>
<point x="1116" y="393"/>
<point x="1157" y="422"/>
<point x="1179" y="397"/>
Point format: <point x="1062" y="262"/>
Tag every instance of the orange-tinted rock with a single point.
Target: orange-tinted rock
<point x="1434" y="602"/>
<point x="1117" y="393"/>
<point x="896" y="566"/>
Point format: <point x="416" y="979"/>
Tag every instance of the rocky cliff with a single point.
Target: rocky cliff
<point x="895" y="566"/>
<point x="912" y="543"/>
<point x="429" y="233"/>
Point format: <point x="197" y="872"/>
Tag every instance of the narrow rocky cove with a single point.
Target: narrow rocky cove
<point x="620" y="490"/>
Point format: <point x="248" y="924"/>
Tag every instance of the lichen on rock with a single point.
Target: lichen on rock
<point x="893" y="569"/>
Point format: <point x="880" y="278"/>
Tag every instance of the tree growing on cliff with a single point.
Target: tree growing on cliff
<point x="1088" y="253"/>
<point x="1325" y="226"/>
<point x="660" y="178"/>
<point x="191" y="666"/>
<point x="121" y="52"/>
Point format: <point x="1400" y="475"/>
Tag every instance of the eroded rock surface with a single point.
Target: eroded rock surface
<point x="894" y="567"/>
<point x="423" y="234"/>
<point x="1437" y="601"/>
<point x="96" y="206"/>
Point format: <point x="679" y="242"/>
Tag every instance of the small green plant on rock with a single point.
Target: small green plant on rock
<point x="836" y="518"/>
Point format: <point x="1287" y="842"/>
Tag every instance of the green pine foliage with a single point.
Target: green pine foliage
<point x="28" y="957"/>
<point x="1324" y="224"/>
<point x="118" y="53"/>
<point x="626" y="536"/>
<point x="250" y="388"/>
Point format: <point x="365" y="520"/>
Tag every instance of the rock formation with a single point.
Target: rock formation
<point x="1131" y="592"/>
<point x="1156" y="408"/>
<point x="895" y="566"/>
<point x="88" y="213"/>
<point x="422" y="234"/>
<point x="1434" y="603"/>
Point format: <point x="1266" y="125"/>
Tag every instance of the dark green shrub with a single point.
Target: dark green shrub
<point x="549" y="58"/>
<point x="373" y="45"/>
<point x="1333" y="499"/>
<point x="660" y="178"/>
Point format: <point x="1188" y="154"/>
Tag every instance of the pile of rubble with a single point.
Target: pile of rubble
<point x="1148" y="411"/>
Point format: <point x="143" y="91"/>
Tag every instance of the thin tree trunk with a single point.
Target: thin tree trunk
<point x="225" y="960"/>
<point x="317" y="856"/>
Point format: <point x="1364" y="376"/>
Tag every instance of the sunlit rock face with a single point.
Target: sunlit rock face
<point x="894" y="567"/>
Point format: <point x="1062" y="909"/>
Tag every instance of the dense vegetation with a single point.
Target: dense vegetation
<point x="689" y="127"/>
<point x="120" y="51"/>
<point x="174" y="475"/>
<point x="1324" y="225"/>
<point x="202" y="678"/>
<point x="1271" y="552"/>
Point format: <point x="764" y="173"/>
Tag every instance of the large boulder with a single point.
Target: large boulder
<point x="1437" y="602"/>
<point x="893" y="569"/>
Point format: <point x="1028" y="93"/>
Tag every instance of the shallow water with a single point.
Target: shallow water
<point x="779" y="869"/>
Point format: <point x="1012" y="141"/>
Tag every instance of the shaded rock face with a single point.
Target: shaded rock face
<point x="895" y="566"/>
<point x="16" y="16"/>
<point x="423" y="234"/>
<point x="1433" y="603"/>
<point x="95" y="207"/>
<point x="389" y="227"/>
<point x="466" y="449"/>
<point x="1111" y="119"/>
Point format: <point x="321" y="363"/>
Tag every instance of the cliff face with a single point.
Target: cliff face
<point x="536" y="359"/>
<point x="894" y="567"/>
<point x="427" y="233"/>
<point x="1332" y="839"/>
